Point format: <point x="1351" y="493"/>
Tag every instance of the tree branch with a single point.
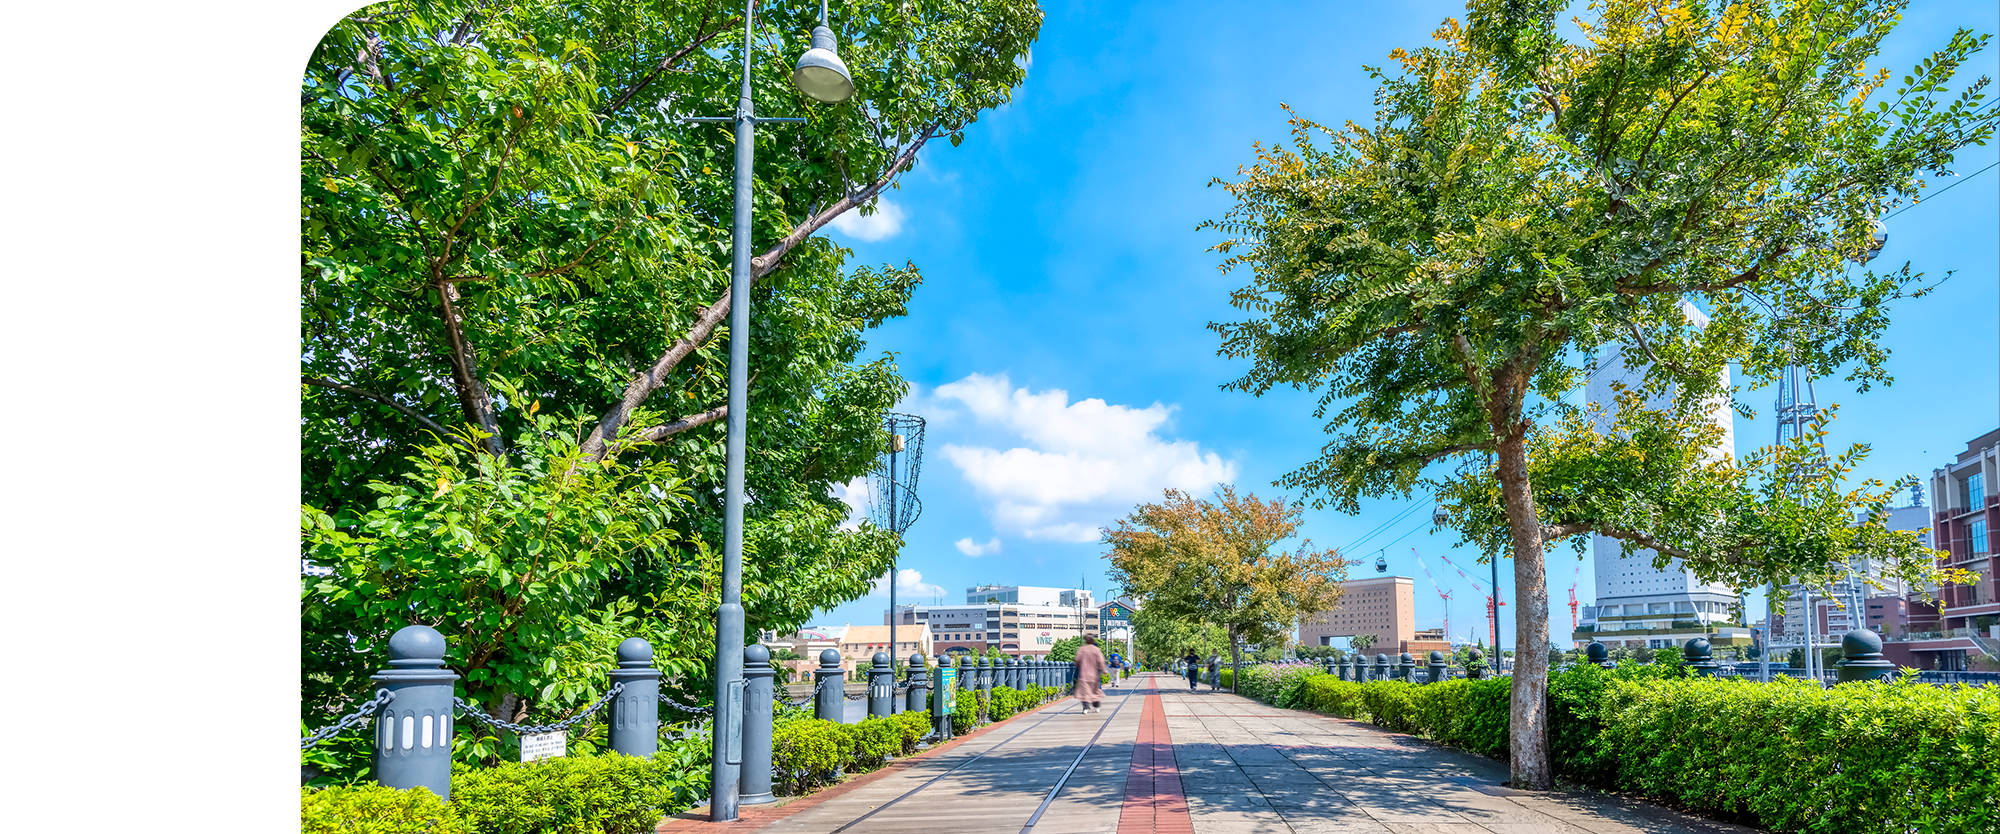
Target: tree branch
<point x="666" y="430"/>
<point x="643" y="386"/>
<point x="703" y="37"/>
<point x="384" y="399"/>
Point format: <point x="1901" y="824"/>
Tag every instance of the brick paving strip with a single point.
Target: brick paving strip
<point x="1154" y="803"/>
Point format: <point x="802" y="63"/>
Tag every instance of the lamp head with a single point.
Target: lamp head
<point x="820" y="73"/>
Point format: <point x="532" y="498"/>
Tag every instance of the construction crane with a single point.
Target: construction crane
<point x="1492" y="599"/>
<point x="1574" y="578"/>
<point x="1439" y="587"/>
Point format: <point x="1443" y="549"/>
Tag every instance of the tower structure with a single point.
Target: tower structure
<point x="1637" y="604"/>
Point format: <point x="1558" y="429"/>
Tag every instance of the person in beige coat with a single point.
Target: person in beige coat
<point x="1089" y="674"/>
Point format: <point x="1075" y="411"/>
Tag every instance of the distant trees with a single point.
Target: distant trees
<point x="1219" y="562"/>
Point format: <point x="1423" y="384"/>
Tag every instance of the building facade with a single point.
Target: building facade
<point x="1014" y="629"/>
<point x="1965" y="523"/>
<point x="1382" y="606"/>
<point x="1638" y="604"/>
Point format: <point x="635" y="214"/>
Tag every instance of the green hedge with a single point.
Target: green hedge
<point x="1881" y="756"/>
<point x="603" y="794"/>
<point x="808" y="752"/>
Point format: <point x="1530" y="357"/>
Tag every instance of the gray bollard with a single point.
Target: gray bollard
<point x="1436" y="670"/>
<point x="828" y="681"/>
<point x="947" y="677"/>
<point x="1596" y="654"/>
<point x="755" y="788"/>
<point x="1382" y="668"/>
<point x="916" y="679"/>
<point x="1861" y="658"/>
<point x="1475" y="666"/>
<point x="413" y="733"/>
<point x="1406" y="666"/>
<point x="1002" y="673"/>
<point x="635" y="713"/>
<point x="985" y="688"/>
<point x="968" y="681"/>
<point x="1343" y="667"/>
<point x="1017" y="671"/>
<point x="1699" y="657"/>
<point x="881" y="686"/>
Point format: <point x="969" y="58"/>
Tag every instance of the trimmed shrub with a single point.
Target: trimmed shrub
<point x="964" y="711"/>
<point x="372" y="809"/>
<point x="607" y="794"/>
<point x="911" y="727"/>
<point x="807" y="753"/>
<point x="875" y="740"/>
<point x="1874" y="756"/>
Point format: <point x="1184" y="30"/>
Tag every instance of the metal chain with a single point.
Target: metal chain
<point x="855" y="697"/>
<point x="479" y="715"/>
<point x="691" y="710"/>
<point x="368" y="710"/>
<point x="778" y="694"/>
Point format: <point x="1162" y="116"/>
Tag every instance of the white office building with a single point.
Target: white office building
<point x="1637" y="604"/>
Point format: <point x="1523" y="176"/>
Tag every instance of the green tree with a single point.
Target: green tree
<point x="1523" y="203"/>
<point x="1360" y="642"/>
<point x="505" y="219"/>
<point x="1220" y="562"/>
<point x="1064" y="650"/>
<point x="1160" y="636"/>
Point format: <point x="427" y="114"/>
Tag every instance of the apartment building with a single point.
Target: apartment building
<point x="1965" y="523"/>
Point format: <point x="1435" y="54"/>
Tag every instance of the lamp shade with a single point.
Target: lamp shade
<point x="820" y="73"/>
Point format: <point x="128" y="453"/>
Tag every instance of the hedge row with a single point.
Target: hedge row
<point x="603" y="794"/>
<point x="614" y="794"/>
<point x="1888" y="756"/>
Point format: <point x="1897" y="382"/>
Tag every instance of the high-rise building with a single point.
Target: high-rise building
<point x="1638" y="604"/>
<point x="1028" y="595"/>
<point x="1015" y="629"/>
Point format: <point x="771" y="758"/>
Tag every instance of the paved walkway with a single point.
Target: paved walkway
<point x="1167" y="761"/>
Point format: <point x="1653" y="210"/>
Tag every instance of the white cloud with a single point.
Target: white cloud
<point x="855" y="495"/>
<point x="1084" y="464"/>
<point x="910" y="587"/>
<point x="971" y="548"/>
<point x="886" y="222"/>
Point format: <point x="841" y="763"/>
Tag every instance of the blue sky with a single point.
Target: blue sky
<point x="1058" y="344"/>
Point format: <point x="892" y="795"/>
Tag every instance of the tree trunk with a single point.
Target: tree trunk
<point x="1235" y="661"/>
<point x="1528" y="738"/>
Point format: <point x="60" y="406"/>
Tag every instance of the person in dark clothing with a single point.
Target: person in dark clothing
<point x="1193" y="662"/>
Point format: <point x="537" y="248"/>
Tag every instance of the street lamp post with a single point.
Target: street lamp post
<point x="821" y="75"/>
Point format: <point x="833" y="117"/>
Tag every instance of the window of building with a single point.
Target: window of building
<point x="1975" y="491"/>
<point x="1977" y="532"/>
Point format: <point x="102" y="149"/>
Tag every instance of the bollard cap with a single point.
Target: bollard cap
<point x="1437" y="658"/>
<point x="1406" y="658"/>
<point x="919" y="661"/>
<point x="416" y="642"/>
<point x="1381" y="660"/>
<point x="880" y="659"/>
<point x="1861" y="642"/>
<point x="830" y="657"/>
<point x="1595" y="652"/>
<point x="754" y="654"/>
<point x="637" y="650"/>
<point x="1696" y="648"/>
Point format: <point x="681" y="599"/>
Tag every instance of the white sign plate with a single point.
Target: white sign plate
<point x="542" y="746"/>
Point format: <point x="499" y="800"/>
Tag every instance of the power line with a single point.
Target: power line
<point x="1940" y="191"/>
<point x="1380" y="527"/>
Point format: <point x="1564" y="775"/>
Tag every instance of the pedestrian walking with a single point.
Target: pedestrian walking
<point x="1214" y="672"/>
<point x="1191" y="666"/>
<point x="1090" y="668"/>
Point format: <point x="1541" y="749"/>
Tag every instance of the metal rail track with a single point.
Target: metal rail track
<point x="1046" y="800"/>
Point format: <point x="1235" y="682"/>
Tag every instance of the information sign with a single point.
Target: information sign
<point x="947" y="678"/>
<point x="542" y="746"/>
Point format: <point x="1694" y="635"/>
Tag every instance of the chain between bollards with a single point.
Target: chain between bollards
<point x="369" y="709"/>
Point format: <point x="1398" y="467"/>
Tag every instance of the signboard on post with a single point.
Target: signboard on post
<point x="947" y="680"/>
<point x="543" y="746"/>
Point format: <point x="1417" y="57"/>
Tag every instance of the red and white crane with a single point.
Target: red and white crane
<point x="1492" y="598"/>
<point x="1573" y="579"/>
<point x="1442" y="593"/>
